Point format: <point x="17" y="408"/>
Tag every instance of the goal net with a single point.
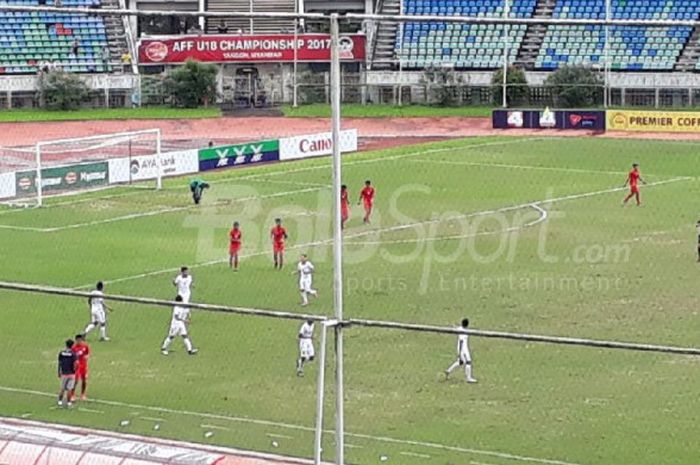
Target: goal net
<point x="30" y="173"/>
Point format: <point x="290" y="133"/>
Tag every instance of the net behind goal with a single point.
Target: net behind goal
<point x="67" y="166"/>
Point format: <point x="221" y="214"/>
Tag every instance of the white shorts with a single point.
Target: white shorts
<point x="465" y="358"/>
<point x="177" y="328"/>
<point x="185" y="297"/>
<point x="305" y="285"/>
<point x="306" y="348"/>
<point x="98" y="316"/>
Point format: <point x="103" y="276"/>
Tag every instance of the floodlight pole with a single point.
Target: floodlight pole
<point x="320" y="395"/>
<point x="296" y="57"/>
<point x="159" y="161"/>
<point x="606" y="65"/>
<point x="39" y="183"/>
<point x="337" y="242"/>
<point x="506" y="29"/>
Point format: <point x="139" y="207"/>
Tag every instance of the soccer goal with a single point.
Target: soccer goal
<point x="28" y="174"/>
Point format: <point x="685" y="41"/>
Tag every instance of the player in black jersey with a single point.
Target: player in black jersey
<point x="67" y="360"/>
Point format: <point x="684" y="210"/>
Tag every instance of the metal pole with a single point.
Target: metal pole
<point x="506" y="29"/>
<point x="159" y="168"/>
<point x="337" y="242"/>
<point x="38" y="180"/>
<point x="606" y="69"/>
<point x="320" y="397"/>
<point x="294" y="75"/>
<point x="399" y="99"/>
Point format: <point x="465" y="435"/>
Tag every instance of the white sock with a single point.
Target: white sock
<point x="188" y="343"/>
<point x="89" y="328"/>
<point x="468" y="370"/>
<point x="300" y="363"/>
<point x="313" y="292"/>
<point x="166" y="343"/>
<point x="304" y="299"/>
<point x="453" y="366"/>
<point x="103" y="331"/>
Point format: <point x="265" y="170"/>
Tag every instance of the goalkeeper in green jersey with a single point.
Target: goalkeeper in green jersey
<point x="197" y="187"/>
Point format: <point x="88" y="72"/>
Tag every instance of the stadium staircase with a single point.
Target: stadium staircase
<point x="688" y="60"/>
<point x="257" y="25"/>
<point x="116" y="33"/>
<point x="385" y="38"/>
<point x="534" y="34"/>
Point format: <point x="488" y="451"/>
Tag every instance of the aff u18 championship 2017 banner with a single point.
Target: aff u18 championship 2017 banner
<point x="248" y="48"/>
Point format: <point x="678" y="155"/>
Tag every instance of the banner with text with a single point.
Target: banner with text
<point x="144" y="167"/>
<point x="8" y="185"/>
<point x="63" y="178"/>
<point x="314" y="145"/>
<point x="275" y="48"/>
<point x="654" y="121"/>
<point x="238" y="155"/>
<point x="549" y="119"/>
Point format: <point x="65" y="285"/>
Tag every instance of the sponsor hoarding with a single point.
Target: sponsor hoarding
<point x="314" y="145"/>
<point x="653" y="121"/>
<point x="8" y="185"/>
<point x="144" y="167"/>
<point x="240" y="154"/>
<point x="63" y="178"/>
<point x="248" y="48"/>
<point x="549" y="119"/>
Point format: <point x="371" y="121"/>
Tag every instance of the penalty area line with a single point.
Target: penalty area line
<point x="384" y="439"/>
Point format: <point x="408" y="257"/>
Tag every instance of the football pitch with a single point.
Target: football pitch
<point x="519" y="234"/>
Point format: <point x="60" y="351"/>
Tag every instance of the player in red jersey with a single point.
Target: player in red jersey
<point x="367" y="199"/>
<point x="344" y="205"/>
<point x="633" y="179"/>
<point x="235" y="236"/>
<point x="82" y="354"/>
<point x="278" y="235"/>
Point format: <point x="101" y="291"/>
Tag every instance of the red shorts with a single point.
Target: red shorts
<point x="81" y="372"/>
<point x="368" y="206"/>
<point x="634" y="189"/>
<point x="234" y="248"/>
<point x="345" y="213"/>
<point x="278" y="247"/>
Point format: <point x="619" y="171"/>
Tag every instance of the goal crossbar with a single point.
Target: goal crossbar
<point x="561" y="340"/>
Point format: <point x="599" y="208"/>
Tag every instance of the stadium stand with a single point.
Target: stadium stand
<point x="466" y="46"/>
<point x="630" y="48"/>
<point x="29" y="39"/>
<point x="249" y="25"/>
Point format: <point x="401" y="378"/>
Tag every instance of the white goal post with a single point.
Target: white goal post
<point x="67" y="166"/>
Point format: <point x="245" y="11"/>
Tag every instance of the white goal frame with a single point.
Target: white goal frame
<point x="39" y="146"/>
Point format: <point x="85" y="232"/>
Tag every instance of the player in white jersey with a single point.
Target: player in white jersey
<point x="98" y="317"/>
<point x="306" y="345"/>
<point x="178" y="327"/>
<point x="184" y="284"/>
<point x="464" y="357"/>
<point x="305" y="270"/>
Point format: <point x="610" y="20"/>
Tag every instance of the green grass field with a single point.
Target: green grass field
<point x="576" y="264"/>
<point x="92" y="114"/>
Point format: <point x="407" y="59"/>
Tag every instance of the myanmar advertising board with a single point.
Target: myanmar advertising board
<point x="276" y="48"/>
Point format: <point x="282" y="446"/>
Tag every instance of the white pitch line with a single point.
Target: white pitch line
<point x="474" y="462"/>
<point x="520" y="167"/>
<point x="160" y="420"/>
<point x="156" y="212"/>
<point x="353" y="446"/>
<point x="279" y="436"/>
<point x="74" y="202"/>
<point x="432" y="445"/>
<point x="388" y="229"/>
<point x="222" y="428"/>
<point x="26" y="415"/>
<point x="542" y="217"/>
<point x="89" y="410"/>
<point x="414" y="454"/>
